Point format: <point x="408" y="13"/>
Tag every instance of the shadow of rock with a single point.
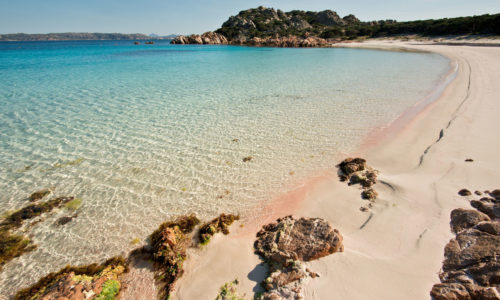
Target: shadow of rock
<point x="258" y="274"/>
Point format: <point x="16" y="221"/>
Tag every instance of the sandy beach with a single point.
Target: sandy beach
<point x="394" y="250"/>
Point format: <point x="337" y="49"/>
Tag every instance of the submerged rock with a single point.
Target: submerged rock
<point x="31" y="211"/>
<point x="13" y="245"/>
<point x="64" y="220"/>
<point x="39" y="195"/>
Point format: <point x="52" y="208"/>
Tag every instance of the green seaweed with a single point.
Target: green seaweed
<point x="82" y="278"/>
<point x="228" y="291"/>
<point x="109" y="290"/>
<point x="74" y="204"/>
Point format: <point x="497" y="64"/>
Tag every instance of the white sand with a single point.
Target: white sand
<point x="399" y="251"/>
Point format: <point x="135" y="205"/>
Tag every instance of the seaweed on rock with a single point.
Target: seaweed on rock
<point x="170" y="242"/>
<point x="94" y="281"/>
<point x="221" y="223"/>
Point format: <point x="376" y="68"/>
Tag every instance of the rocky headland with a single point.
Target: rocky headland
<point x="275" y="28"/>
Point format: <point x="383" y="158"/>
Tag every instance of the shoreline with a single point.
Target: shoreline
<point x="407" y="257"/>
<point x="391" y="129"/>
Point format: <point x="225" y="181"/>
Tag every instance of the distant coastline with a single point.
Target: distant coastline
<point x="79" y="36"/>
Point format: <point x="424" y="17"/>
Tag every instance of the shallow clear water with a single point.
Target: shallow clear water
<point x="143" y="133"/>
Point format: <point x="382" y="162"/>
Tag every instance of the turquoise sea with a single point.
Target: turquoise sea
<point x="143" y="133"/>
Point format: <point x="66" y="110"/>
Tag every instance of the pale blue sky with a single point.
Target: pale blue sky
<point x="197" y="16"/>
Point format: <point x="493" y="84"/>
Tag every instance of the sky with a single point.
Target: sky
<point x="197" y="16"/>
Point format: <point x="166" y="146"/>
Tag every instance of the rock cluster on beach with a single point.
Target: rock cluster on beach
<point x="288" y="242"/>
<point x="356" y="171"/>
<point x="471" y="269"/>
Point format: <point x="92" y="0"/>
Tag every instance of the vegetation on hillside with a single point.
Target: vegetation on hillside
<point x="264" y="22"/>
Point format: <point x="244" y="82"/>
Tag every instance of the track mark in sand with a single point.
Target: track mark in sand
<point x="388" y="184"/>
<point x="366" y="222"/>
<point x="453" y="117"/>
<point x="420" y="236"/>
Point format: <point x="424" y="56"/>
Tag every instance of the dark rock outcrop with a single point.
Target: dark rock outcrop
<point x="471" y="269"/>
<point x="495" y="194"/>
<point x="301" y="239"/>
<point x="351" y="19"/>
<point x="466" y="218"/>
<point x="288" y="242"/>
<point x="369" y="194"/>
<point x="464" y="192"/>
<point x="356" y="171"/>
<point x="489" y="206"/>
<point x="328" y="18"/>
